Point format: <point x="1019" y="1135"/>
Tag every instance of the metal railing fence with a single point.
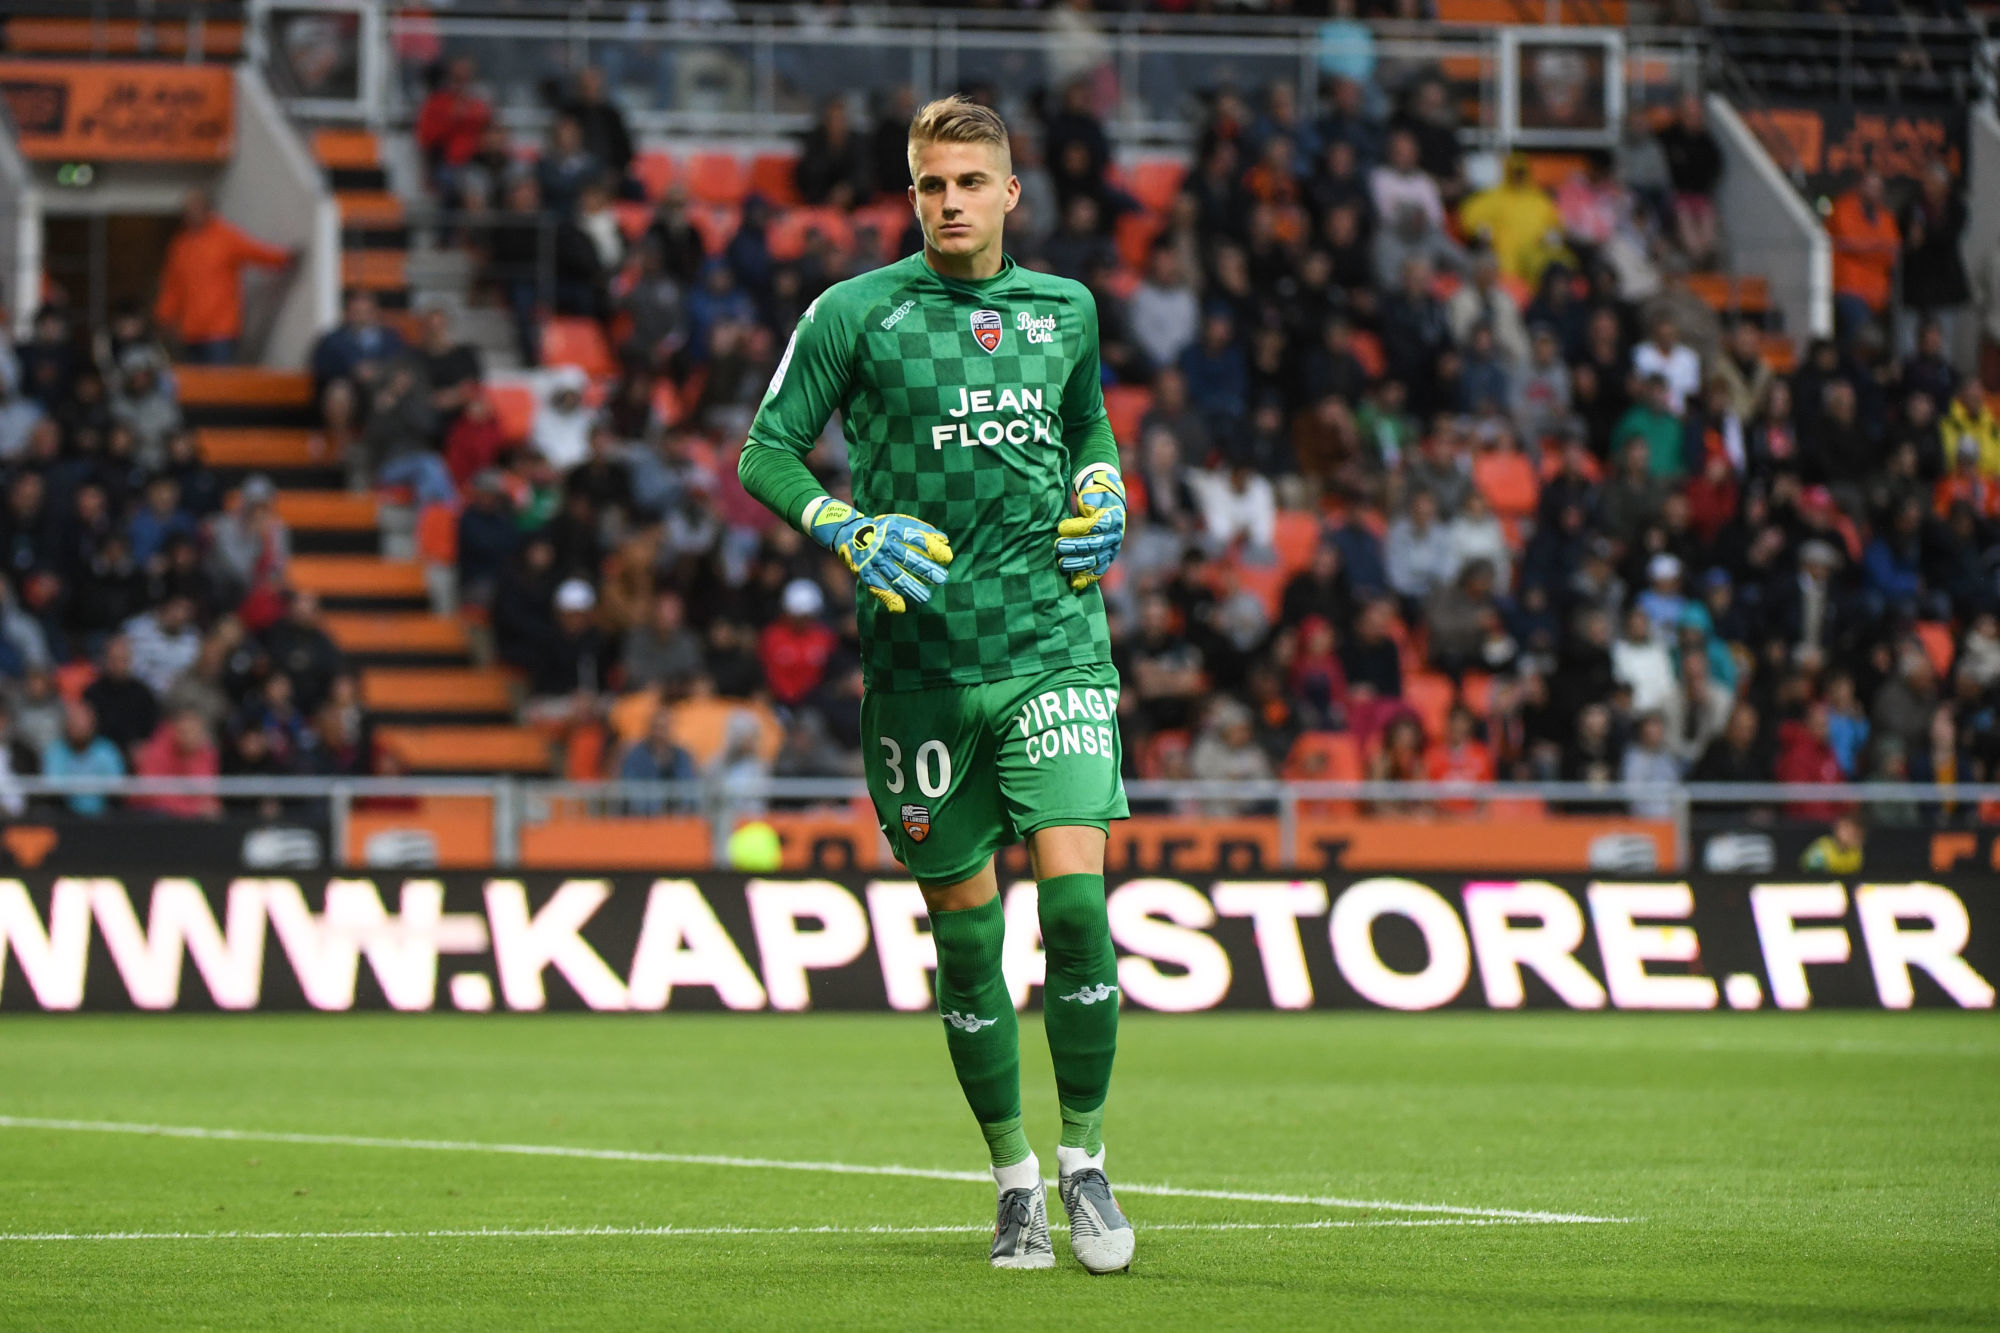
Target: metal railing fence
<point x="767" y="75"/>
<point x="518" y="802"/>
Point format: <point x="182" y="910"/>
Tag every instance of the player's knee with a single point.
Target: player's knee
<point x="968" y="956"/>
<point x="1073" y="923"/>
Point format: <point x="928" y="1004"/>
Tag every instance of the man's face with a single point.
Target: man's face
<point x="1742" y="728"/>
<point x="962" y="194"/>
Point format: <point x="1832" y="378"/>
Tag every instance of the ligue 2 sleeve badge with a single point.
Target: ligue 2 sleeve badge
<point x="986" y="329"/>
<point x="917" y="822"/>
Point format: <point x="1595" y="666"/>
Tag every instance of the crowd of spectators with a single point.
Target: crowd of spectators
<point x="145" y="623"/>
<point x="1527" y="458"/>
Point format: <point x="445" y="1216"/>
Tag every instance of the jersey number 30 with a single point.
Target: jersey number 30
<point x="930" y="755"/>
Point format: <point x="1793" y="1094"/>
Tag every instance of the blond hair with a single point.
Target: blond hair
<point x="957" y="119"/>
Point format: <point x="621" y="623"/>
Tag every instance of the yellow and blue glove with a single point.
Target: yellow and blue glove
<point x="1089" y="542"/>
<point x="896" y="557"/>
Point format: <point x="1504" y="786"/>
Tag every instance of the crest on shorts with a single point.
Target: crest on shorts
<point x="986" y="329"/>
<point x="917" y="822"/>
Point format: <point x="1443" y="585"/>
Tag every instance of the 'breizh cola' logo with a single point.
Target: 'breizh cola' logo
<point x="987" y="328"/>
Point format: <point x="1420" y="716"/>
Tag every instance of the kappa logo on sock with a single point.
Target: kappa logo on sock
<point x="968" y="1022"/>
<point x="917" y="822"/>
<point x="1092" y="994"/>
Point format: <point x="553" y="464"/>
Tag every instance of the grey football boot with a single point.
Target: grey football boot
<point x="1100" y="1235"/>
<point x="1021" y="1230"/>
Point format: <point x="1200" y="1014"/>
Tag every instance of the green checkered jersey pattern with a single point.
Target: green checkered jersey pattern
<point x="963" y="404"/>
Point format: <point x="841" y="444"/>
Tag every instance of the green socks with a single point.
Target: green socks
<point x="1079" y="1002"/>
<point x="980" y="1028"/>
<point x="1079" y="1009"/>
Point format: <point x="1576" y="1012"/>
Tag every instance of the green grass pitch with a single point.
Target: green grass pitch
<point x="1777" y="1171"/>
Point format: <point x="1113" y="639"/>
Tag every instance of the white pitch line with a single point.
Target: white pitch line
<point x="509" y="1233"/>
<point x="754" y="1163"/>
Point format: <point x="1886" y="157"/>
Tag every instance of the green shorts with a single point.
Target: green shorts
<point x="958" y="772"/>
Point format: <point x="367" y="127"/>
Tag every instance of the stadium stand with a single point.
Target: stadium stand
<point x="1402" y="444"/>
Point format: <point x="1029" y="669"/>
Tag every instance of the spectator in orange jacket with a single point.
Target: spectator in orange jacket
<point x="1866" y="242"/>
<point x="201" y="290"/>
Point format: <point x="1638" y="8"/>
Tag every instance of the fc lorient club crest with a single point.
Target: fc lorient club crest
<point x="986" y="329"/>
<point x="917" y="822"/>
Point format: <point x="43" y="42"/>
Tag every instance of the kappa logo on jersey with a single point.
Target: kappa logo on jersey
<point x="987" y="328"/>
<point x="917" y="822"/>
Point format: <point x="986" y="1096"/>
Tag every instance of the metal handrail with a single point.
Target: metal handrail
<point x="933" y="48"/>
<point x="774" y="788"/>
<point x="879" y="17"/>
<point x="517" y="802"/>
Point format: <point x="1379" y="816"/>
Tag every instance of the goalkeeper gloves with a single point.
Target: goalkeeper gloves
<point x="896" y="557"/>
<point x="1089" y="542"/>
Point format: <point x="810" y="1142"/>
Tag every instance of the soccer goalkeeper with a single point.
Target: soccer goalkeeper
<point x="986" y="505"/>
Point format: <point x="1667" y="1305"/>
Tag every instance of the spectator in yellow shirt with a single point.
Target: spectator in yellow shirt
<point x="1518" y="219"/>
<point x="1839" y="852"/>
<point x="1971" y="418"/>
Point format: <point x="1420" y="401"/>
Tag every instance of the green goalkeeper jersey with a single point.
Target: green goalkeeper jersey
<point x="969" y="405"/>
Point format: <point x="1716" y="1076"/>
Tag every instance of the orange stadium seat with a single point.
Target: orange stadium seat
<point x="1266" y="583"/>
<point x="1507" y="479"/>
<point x="1550" y="170"/>
<point x="1297" y="538"/>
<point x="1367" y="349"/>
<point x="1324" y="756"/>
<point x="667" y="401"/>
<point x="73" y="678"/>
<point x="1429" y="695"/>
<point x="1134" y="234"/>
<point x="633" y="219"/>
<point x="437" y="534"/>
<point x="701" y="726"/>
<point x="655" y="171"/>
<point x="1155" y="181"/>
<point x="1126" y="404"/>
<point x="1936" y="639"/>
<point x="887" y="220"/>
<point x="773" y="176"/>
<point x="717" y="178"/>
<point x="579" y="342"/>
<point x="513" y="408"/>
<point x="790" y="230"/>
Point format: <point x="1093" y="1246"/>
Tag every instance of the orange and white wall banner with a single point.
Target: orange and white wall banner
<point x="99" y="111"/>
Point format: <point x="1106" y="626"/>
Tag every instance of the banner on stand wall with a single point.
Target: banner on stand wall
<point x="234" y="941"/>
